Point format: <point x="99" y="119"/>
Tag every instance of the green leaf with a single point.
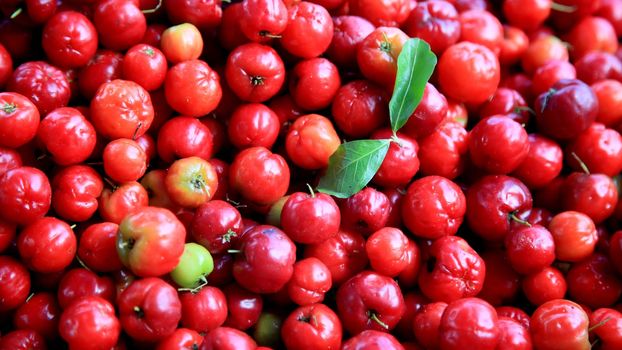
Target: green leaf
<point x="352" y="166"/>
<point x="415" y="65"/>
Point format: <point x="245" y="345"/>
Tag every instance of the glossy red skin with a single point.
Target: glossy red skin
<point x="574" y="234"/>
<point x="15" y="285"/>
<point x="192" y="88"/>
<point x="462" y="64"/>
<point x="104" y="67"/>
<point x="259" y="175"/>
<point x="67" y="135"/>
<point x="79" y="283"/>
<point x="310" y="219"/>
<point x="121" y="109"/>
<point x="391" y="13"/>
<point x="115" y="204"/>
<point x="75" y="192"/>
<point x="19" y="120"/>
<point x="491" y="201"/>
<point x="386" y="249"/>
<point x="226" y="338"/>
<point x="314" y="83"/>
<point x="45" y="85"/>
<point x="513" y="335"/>
<point x="243" y="308"/>
<point x="254" y="72"/>
<point x="230" y="34"/>
<point x="539" y="11"/>
<point x="426" y="324"/>
<point x="609" y="94"/>
<point x="366" y="295"/>
<point x="344" y="255"/>
<point x="436" y="22"/>
<point x="97" y="247"/>
<point x="542" y="50"/>
<point x="395" y="196"/>
<point x="219" y="133"/>
<point x="310" y="281"/>
<point x="566" y="110"/>
<point x="501" y="283"/>
<point x="309" y="30"/>
<point x="149" y="309"/>
<point x="453" y="270"/>
<point x="600" y="148"/>
<point x="433" y="207"/>
<point x="181" y="339"/>
<point x="313" y="326"/>
<point x="429" y="114"/>
<point x="515" y="314"/>
<point x="349" y="32"/>
<point x="593" y="282"/>
<point x="498" y="144"/>
<point x="7" y="235"/>
<point x="598" y="66"/>
<point x="266" y="261"/>
<point x="23" y="339"/>
<point x="377" y="55"/>
<point x="119" y="23"/>
<point x="414" y="302"/>
<point x="560" y="324"/>
<point x="253" y="125"/>
<point x="285" y="109"/>
<point x="124" y="160"/>
<point x="444" y="152"/>
<point x="204" y="310"/>
<point x="205" y="14"/>
<point x="47" y="245"/>
<point x="513" y="45"/>
<point x="481" y="27"/>
<point x="191" y="182"/>
<point x="366" y="212"/>
<point x="505" y="101"/>
<point x="400" y="163"/>
<point x="543" y="163"/>
<point x="372" y="340"/>
<point x="467" y="323"/>
<point x="69" y="39"/>
<point x="612" y="12"/>
<point x="150" y="241"/>
<point x="6" y="65"/>
<point x="544" y="285"/>
<point x="223" y="270"/>
<point x="609" y="328"/>
<point x="592" y="34"/>
<point x="260" y="18"/>
<point x="551" y="72"/>
<point x="211" y="224"/>
<point x="595" y="195"/>
<point x="521" y="83"/>
<point x="183" y="137"/>
<point x="530" y="249"/>
<point x="408" y="277"/>
<point x="146" y="65"/>
<point x="40" y="314"/>
<point x="359" y="108"/>
<point x="222" y="171"/>
<point x="25" y="195"/>
<point x="9" y="159"/>
<point x="311" y="140"/>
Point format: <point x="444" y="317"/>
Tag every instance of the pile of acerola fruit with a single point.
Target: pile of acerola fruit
<point x="159" y="165"/>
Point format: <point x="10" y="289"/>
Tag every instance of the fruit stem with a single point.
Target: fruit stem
<point x="202" y="283"/>
<point x="385" y="44"/>
<point x="139" y="312"/>
<point x="82" y="263"/>
<point x="584" y="167"/>
<point x="396" y="139"/>
<point x="226" y="238"/>
<point x="266" y="34"/>
<point x="234" y="251"/>
<point x="110" y="183"/>
<point x="256" y="80"/>
<point x="563" y="8"/>
<point x="519" y="220"/>
<point x="17" y="12"/>
<point x="374" y="317"/>
<point x="599" y="324"/>
<point x="140" y="124"/>
<point x="311" y="191"/>
<point x="148" y="11"/>
<point x="519" y="109"/>
<point x="9" y="108"/>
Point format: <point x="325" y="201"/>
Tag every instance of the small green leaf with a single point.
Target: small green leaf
<point x="352" y="166"/>
<point x="415" y="65"/>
